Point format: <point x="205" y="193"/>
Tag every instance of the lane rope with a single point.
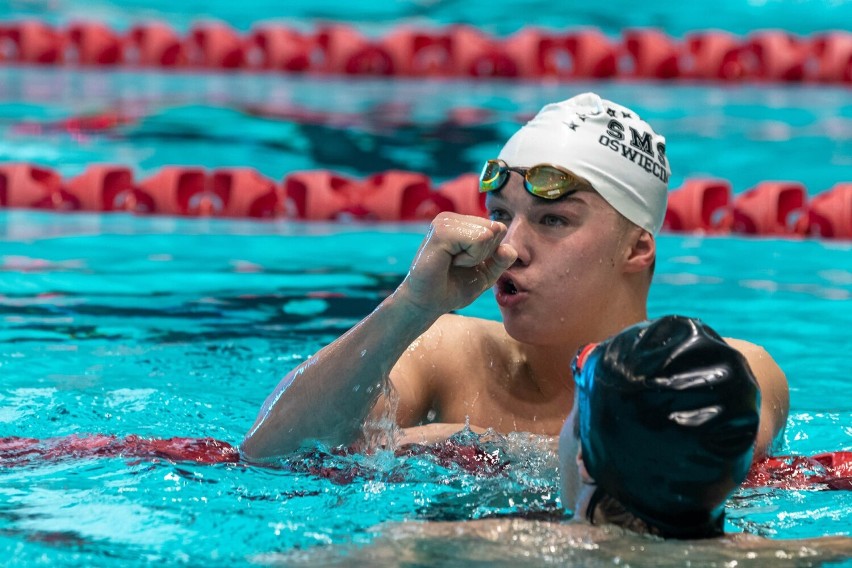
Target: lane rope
<point x="699" y="206"/>
<point x="764" y="55"/>
<point x="828" y="471"/>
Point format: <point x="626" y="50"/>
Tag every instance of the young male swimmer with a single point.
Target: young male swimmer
<point x="662" y="432"/>
<point x="575" y="199"/>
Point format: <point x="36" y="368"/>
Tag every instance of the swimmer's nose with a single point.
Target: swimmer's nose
<point x="515" y="238"/>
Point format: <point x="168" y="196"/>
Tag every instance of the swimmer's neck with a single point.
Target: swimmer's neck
<point x="549" y="366"/>
<point x="541" y="372"/>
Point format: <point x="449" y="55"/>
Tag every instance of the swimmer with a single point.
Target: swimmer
<point x="662" y="432"/>
<point x="575" y="199"/>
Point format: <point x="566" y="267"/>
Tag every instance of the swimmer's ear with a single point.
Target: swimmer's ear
<point x="642" y="251"/>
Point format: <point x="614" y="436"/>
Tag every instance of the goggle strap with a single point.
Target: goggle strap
<point x="584" y="354"/>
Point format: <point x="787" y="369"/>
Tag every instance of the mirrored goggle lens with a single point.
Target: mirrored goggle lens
<point x="549" y="182"/>
<point x="493" y="175"/>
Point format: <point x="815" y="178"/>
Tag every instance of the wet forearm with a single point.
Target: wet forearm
<point x="328" y="397"/>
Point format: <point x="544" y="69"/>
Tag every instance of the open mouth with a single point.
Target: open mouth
<point x="507" y="286"/>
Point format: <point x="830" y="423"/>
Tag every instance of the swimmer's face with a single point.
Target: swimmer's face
<point x="571" y="262"/>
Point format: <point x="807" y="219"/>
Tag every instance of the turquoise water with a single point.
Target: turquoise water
<point x="742" y="133"/>
<point x="737" y="16"/>
<point x="162" y="327"/>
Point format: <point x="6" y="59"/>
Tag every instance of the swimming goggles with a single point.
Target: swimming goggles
<point x="542" y="180"/>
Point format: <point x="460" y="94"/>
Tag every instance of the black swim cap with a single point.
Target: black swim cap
<point x="668" y="418"/>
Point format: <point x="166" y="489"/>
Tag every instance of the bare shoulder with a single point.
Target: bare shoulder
<point x="453" y="333"/>
<point x="454" y="346"/>
<point x="764" y="367"/>
<point x="774" y="391"/>
<point x="752" y="351"/>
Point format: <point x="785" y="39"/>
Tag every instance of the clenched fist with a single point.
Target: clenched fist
<point x="460" y="258"/>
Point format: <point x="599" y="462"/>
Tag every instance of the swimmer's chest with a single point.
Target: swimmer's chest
<point x="493" y="400"/>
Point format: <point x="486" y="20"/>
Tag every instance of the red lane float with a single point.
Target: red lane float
<point x="463" y="193"/>
<point x="700" y="205"/>
<point x="654" y="54"/>
<point x="33" y="43"/>
<point x="595" y="56"/>
<point x="829" y="214"/>
<point x="400" y="196"/>
<point x="17" y="451"/>
<point x="215" y="45"/>
<point x="827" y="471"/>
<point x="776" y="55"/>
<point x="247" y="193"/>
<point x="154" y="44"/>
<point x="420" y="53"/>
<point x="833" y="53"/>
<point x="824" y="471"/>
<point x="346" y="51"/>
<point x="33" y="187"/>
<point x="275" y="48"/>
<point x="92" y="43"/>
<point x="768" y="209"/>
<point x="477" y="54"/>
<point x="318" y="195"/>
<point x="712" y="55"/>
<point x="458" y="50"/>
<point x="107" y="188"/>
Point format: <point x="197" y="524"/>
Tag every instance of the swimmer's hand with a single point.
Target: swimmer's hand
<point x="460" y="258"/>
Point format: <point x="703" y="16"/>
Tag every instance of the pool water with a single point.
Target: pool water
<point x="161" y="327"/>
<point x="279" y="124"/>
<point x="736" y="16"/>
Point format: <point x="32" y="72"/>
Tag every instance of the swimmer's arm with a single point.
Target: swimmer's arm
<point x="328" y="397"/>
<point x="774" y="394"/>
<point x="789" y="552"/>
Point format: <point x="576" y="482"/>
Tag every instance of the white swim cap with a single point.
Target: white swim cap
<point x="605" y="143"/>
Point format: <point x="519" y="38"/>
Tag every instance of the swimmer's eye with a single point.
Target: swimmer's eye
<point x="554" y="221"/>
<point x="498" y="215"/>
